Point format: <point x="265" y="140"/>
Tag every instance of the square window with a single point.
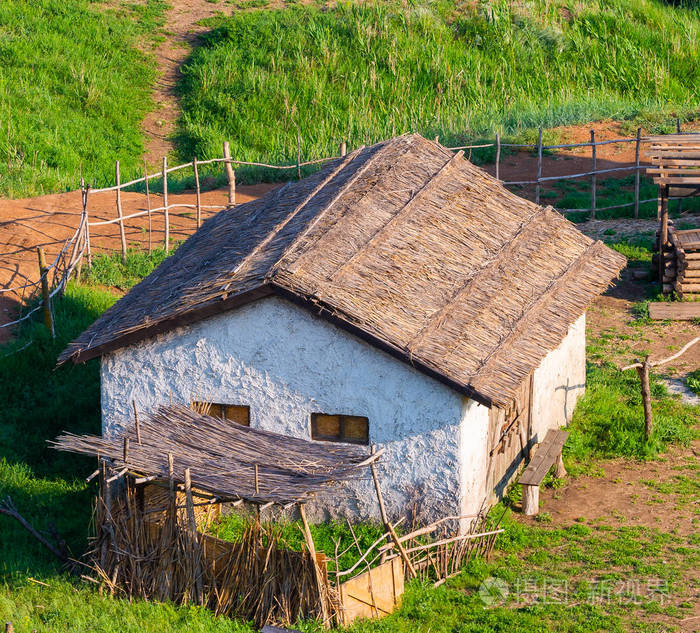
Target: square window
<point x="353" y="429"/>
<point x="238" y="413"/>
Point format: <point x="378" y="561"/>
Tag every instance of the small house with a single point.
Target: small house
<point x="400" y="296"/>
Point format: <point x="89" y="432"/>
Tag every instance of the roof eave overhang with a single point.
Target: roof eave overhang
<point x="185" y="318"/>
<point x="328" y="313"/>
<point x="265" y="290"/>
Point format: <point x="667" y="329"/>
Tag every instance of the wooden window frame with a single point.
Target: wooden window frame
<point x="341" y="437"/>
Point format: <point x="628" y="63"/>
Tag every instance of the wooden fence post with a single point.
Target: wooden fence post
<point x="87" y="227"/>
<point x="45" y="295"/>
<point x="298" y="155"/>
<point x="148" y="207"/>
<point x="594" y="163"/>
<point x="165" y="204"/>
<point x="230" y="175"/>
<point x="680" y="200"/>
<point x="636" y="172"/>
<point x="498" y="156"/>
<point x="198" y="192"/>
<point x="678" y="125"/>
<point x="119" y="210"/>
<point x="343" y="149"/>
<point x="643" y="372"/>
<point x="539" y="166"/>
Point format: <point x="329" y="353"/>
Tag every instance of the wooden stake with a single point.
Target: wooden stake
<point x="87" y="227"/>
<point x="148" y="207"/>
<point x="312" y="550"/>
<point x="498" y="156"/>
<point x="257" y="488"/>
<point x="230" y="175"/>
<point x="643" y="372"/>
<point x="8" y="627"/>
<point x="593" y="176"/>
<point x="539" y="166"/>
<point x="298" y="155"/>
<point x="387" y="524"/>
<point x="122" y="235"/>
<point x="126" y="450"/>
<point x="193" y="529"/>
<point x="197" y="192"/>
<point x="45" y="294"/>
<point x="165" y="204"/>
<point x="343" y="149"/>
<point x="136" y="417"/>
<point x="636" y="171"/>
<point x="171" y="478"/>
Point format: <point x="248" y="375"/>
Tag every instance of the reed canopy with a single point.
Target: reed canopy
<point x="225" y="459"/>
<point x="405" y="245"/>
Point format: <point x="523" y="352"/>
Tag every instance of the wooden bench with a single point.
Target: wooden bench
<point x="548" y="454"/>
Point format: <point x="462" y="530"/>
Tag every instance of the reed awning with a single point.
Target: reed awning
<point x="225" y="459"/>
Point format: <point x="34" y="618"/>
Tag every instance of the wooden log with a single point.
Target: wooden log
<point x="230" y="175"/>
<point x="198" y="192"/>
<point x="165" y="204"/>
<point x="9" y="628"/>
<point x="643" y="372"/>
<point x="637" y="171"/>
<point x="45" y="294"/>
<point x="120" y="214"/>
<point x="539" y="166"/>
<point x="686" y="286"/>
<point x="594" y="163"/>
<point x="674" y="311"/>
<point x="531" y="500"/>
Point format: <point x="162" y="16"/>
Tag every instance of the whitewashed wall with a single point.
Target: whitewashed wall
<point x="286" y="363"/>
<point x="560" y="381"/>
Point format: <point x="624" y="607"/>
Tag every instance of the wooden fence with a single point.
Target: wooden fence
<point x="229" y="163"/>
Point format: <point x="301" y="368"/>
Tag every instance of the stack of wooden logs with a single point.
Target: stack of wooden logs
<point x="681" y="265"/>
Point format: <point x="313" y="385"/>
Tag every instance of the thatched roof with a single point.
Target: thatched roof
<point x="224" y="457"/>
<point x="404" y="244"/>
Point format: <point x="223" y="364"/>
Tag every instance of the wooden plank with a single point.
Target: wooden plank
<point x="674" y="171"/>
<point x="544" y="458"/>
<point x="374" y="593"/>
<point x="674" y="311"/>
<point x="677" y="181"/>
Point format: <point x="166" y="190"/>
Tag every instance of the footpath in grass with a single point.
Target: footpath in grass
<point x="75" y="84"/>
<point x="590" y="576"/>
<point x="362" y="72"/>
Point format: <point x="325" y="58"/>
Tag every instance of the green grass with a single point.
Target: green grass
<point x="111" y="270"/>
<point x="693" y="381"/>
<point x="75" y="83"/>
<point x="40" y="401"/>
<point x="364" y="72"/>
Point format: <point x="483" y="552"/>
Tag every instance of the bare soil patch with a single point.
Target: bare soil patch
<point x="48" y="221"/>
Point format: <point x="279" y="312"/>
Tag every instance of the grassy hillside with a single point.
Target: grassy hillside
<point x="74" y="85"/>
<point x="364" y="72"/>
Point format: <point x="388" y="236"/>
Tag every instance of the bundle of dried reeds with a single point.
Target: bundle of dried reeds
<point x="256" y="579"/>
<point x="226" y="459"/>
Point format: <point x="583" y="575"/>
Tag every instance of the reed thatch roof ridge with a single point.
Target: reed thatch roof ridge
<point x="225" y="459"/>
<point x="405" y="244"/>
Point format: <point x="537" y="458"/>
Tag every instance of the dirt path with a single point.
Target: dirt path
<point x="181" y="31"/>
<point x="49" y="221"/>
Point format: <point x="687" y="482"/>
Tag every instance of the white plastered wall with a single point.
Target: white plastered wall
<point x="560" y="381"/>
<point x="285" y="364"/>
